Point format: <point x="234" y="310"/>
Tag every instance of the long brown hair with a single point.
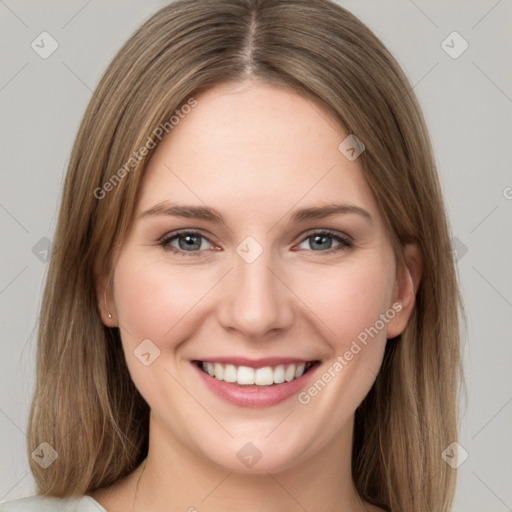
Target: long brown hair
<point x="85" y="405"/>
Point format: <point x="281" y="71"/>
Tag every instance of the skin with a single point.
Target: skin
<point x="255" y="153"/>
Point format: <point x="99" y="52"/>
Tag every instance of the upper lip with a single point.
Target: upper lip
<point x="255" y="363"/>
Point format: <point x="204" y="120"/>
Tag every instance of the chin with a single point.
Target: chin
<point x="259" y="456"/>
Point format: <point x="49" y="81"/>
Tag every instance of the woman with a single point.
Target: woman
<point x="253" y="302"/>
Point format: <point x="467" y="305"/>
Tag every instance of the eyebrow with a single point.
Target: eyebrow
<point x="209" y="214"/>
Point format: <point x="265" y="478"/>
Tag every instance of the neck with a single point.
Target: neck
<point x="173" y="476"/>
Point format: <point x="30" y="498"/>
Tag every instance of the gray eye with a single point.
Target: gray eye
<point x="319" y="242"/>
<point x="189" y="242"/>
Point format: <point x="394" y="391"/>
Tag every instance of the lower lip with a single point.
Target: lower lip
<point x="255" y="396"/>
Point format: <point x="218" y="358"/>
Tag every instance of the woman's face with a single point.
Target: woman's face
<point x="267" y="279"/>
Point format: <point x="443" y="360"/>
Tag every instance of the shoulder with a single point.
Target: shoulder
<point x="52" y="504"/>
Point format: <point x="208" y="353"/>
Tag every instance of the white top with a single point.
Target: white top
<point x="52" y="504"/>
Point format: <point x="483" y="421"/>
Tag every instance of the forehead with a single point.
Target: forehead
<point x="249" y="146"/>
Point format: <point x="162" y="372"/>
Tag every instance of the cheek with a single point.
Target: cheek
<point x="153" y="299"/>
<point x="350" y="304"/>
<point x="159" y="302"/>
<point x="349" y="299"/>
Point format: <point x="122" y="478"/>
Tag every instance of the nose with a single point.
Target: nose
<point x="255" y="301"/>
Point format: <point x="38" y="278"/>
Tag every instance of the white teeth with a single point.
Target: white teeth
<point x="244" y="375"/>
<point x="300" y="370"/>
<point x="279" y="374"/>
<point x="219" y="370"/>
<point x="264" y="376"/>
<point x="247" y="376"/>
<point x="229" y="373"/>
<point x="289" y="374"/>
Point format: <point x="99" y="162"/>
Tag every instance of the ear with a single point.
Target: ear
<point x="408" y="277"/>
<point x="105" y="298"/>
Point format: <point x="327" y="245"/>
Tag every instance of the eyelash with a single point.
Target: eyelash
<point x="345" y="242"/>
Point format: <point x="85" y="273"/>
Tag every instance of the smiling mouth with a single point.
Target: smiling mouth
<point x="264" y="376"/>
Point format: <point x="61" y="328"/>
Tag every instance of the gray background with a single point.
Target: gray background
<point x="467" y="103"/>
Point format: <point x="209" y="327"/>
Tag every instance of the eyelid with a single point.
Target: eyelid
<point x="184" y="231"/>
<point x="326" y="231"/>
<point x="164" y="241"/>
<point x="345" y="240"/>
